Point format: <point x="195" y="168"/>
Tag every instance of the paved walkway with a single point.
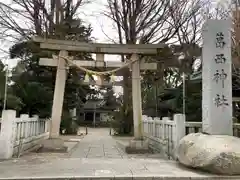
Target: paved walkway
<point x="98" y="157"/>
<point x="98" y="144"/>
<point x="104" y="169"/>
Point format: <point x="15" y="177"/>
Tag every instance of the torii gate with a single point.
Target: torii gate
<point x="100" y="49"/>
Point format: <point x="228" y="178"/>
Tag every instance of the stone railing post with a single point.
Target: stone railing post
<point x="157" y="122"/>
<point x="164" y="131"/>
<point x="8" y="132"/>
<point x="25" y="126"/>
<point x="180" y="129"/>
<point x="149" y="125"/>
<point x="35" y="118"/>
<point x="145" y="124"/>
<point x="46" y="121"/>
<point x="150" y="119"/>
<point x="154" y="128"/>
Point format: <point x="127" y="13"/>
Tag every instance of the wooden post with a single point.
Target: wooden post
<point x="136" y="97"/>
<point x="58" y="96"/>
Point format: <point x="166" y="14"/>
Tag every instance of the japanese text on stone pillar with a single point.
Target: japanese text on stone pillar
<point x="220" y="75"/>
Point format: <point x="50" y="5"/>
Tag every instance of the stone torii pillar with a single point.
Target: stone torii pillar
<point x="136" y="97"/>
<point x="58" y="97"/>
<point x="54" y="143"/>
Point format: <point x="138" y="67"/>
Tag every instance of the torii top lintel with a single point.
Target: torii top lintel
<point x="53" y="44"/>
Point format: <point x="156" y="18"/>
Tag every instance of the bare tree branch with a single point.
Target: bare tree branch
<point x="40" y="16"/>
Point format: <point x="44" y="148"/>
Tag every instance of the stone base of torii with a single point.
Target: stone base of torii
<point x="63" y="46"/>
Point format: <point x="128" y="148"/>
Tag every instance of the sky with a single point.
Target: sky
<point x="102" y="27"/>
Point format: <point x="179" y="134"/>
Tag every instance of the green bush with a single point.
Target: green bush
<point x="68" y="125"/>
<point x="122" y="121"/>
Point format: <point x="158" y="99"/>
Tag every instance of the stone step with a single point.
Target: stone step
<point x="123" y="143"/>
<point x="125" y="146"/>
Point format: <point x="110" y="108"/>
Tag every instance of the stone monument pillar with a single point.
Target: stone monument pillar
<point x="217" y="78"/>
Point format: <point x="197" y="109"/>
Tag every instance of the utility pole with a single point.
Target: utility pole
<point x="6" y="89"/>
<point x="184" y="94"/>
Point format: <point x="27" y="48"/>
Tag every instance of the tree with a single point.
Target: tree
<point x="36" y="96"/>
<point x="42" y="17"/>
<point x="189" y="47"/>
<point x="152" y="21"/>
<point x="34" y="84"/>
<point x="110" y="98"/>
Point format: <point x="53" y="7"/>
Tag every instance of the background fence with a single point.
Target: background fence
<point x="20" y="134"/>
<point x="164" y="134"/>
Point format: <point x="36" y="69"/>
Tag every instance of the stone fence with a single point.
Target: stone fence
<point x="164" y="134"/>
<point x="21" y="134"/>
